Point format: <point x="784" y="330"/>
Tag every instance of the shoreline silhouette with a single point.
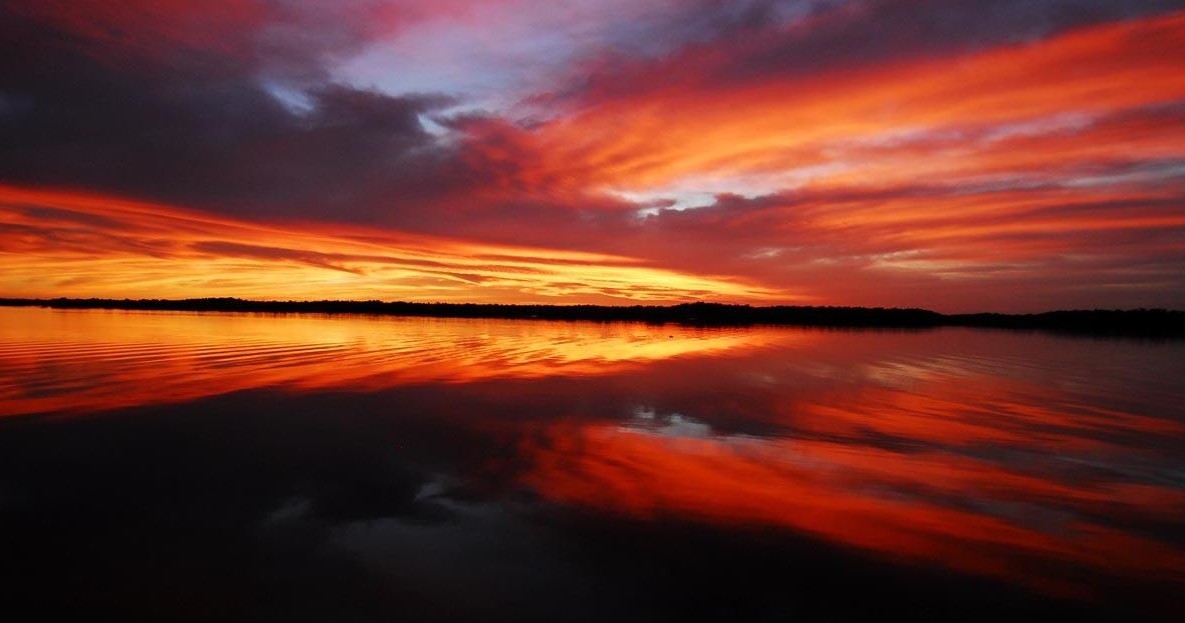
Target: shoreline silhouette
<point x="1152" y="323"/>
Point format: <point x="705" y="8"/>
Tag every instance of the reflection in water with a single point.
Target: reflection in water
<point x="971" y="514"/>
<point x="452" y="469"/>
<point x="87" y="360"/>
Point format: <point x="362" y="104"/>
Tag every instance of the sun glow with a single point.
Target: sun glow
<point x="55" y="243"/>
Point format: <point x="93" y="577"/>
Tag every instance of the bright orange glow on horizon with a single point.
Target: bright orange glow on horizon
<point x="69" y="244"/>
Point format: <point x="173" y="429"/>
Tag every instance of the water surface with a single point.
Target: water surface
<point x="223" y="466"/>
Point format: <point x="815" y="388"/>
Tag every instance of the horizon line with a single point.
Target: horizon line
<point x="1140" y="322"/>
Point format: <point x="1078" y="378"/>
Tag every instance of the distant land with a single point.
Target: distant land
<point x="1153" y="323"/>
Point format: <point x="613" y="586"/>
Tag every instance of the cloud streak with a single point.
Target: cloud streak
<point x="88" y="245"/>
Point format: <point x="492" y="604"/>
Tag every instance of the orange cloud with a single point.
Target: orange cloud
<point x="997" y="175"/>
<point x="1014" y="178"/>
<point x="772" y="126"/>
<point x="57" y="243"/>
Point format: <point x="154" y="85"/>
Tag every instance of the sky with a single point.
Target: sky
<point x="957" y="155"/>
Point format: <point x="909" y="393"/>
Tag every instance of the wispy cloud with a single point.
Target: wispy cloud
<point x="57" y="243"/>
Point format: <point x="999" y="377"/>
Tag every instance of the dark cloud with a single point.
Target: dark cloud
<point x="204" y="126"/>
<point x="253" y="125"/>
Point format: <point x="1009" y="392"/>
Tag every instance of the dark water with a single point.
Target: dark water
<point x="166" y="466"/>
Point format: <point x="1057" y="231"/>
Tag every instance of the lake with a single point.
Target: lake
<point x="202" y="466"/>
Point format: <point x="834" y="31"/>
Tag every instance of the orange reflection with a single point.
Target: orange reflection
<point x="941" y="460"/>
<point x="1024" y="457"/>
<point x="78" y="361"/>
<point x="855" y="496"/>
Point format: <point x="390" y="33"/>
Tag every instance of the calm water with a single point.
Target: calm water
<point x="169" y="466"/>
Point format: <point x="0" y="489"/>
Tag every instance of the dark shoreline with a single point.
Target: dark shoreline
<point x="1151" y="323"/>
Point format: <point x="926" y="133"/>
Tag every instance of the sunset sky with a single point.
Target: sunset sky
<point x="959" y="155"/>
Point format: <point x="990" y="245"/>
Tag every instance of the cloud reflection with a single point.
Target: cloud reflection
<point x="77" y="362"/>
<point x="1030" y="460"/>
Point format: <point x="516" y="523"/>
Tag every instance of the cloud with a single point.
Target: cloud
<point x="919" y="153"/>
<point x="199" y="126"/>
<point x="90" y="245"/>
